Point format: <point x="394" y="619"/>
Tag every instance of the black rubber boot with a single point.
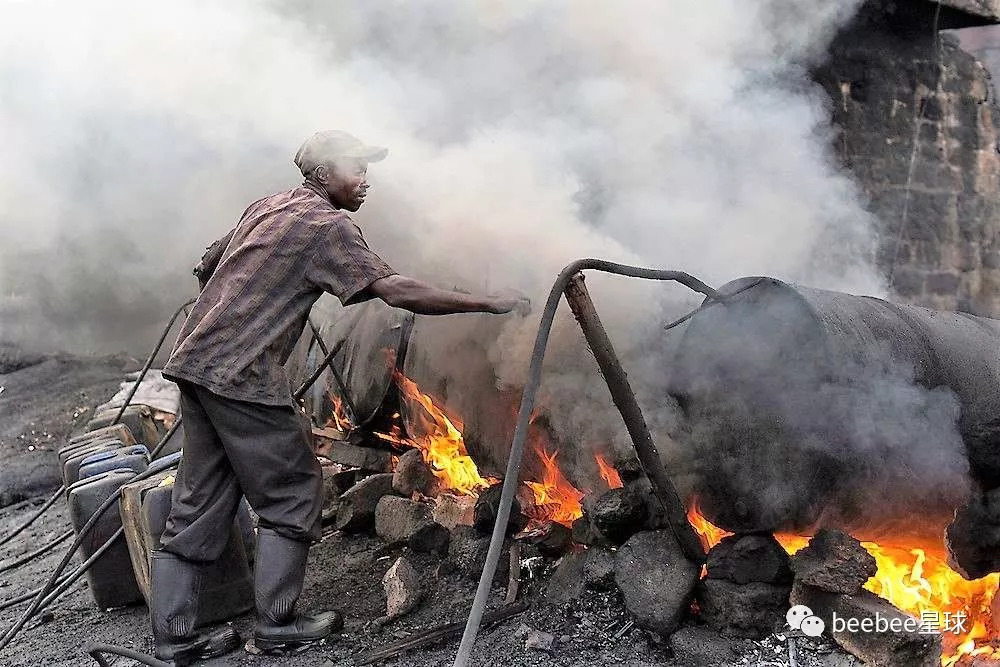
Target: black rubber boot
<point x="174" y="589"/>
<point x="279" y="572"/>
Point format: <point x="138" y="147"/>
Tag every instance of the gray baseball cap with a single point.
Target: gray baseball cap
<point x="331" y="145"/>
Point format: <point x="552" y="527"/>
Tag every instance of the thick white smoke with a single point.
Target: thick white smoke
<point x="522" y="135"/>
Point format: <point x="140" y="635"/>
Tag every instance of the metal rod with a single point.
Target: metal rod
<point x="328" y="362"/>
<point x="528" y="394"/>
<point x="149" y="360"/>
<point x="624" y="399"/>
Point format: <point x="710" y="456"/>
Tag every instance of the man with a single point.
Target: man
<point x="243" y="435"/>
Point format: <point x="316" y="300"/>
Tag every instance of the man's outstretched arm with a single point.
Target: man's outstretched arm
<point x="419" y="297"/>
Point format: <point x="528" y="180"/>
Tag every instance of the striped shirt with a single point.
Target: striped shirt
<point x="264" y="278"/>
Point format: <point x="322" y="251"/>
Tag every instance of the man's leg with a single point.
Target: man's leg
<point x="205" y="495"/>
<point x="269" y="451"/>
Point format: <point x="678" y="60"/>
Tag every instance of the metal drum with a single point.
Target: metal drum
<point x="801" y="404"/>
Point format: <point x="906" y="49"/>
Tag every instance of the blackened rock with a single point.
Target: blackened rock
<point x="403" y="520"/>
<point x="582" y="532"/>
<point x="566" y="582"/>
<point x="656" y="580"/>
<point x="618" y="514"/>
<point x="356" y="512"/>
<point x="467" y="554"/>
<point x="701" y="646"/>
<point x="834" y="561"/>
<point x="552" y="539"/>
<point x="487" y="506"/>
<point x="412" y="474"/>
<point x="742" y="610"/>
<point x="599" y="569"/>
<point x="744" y="559"/>
<point x="973" y="536"/>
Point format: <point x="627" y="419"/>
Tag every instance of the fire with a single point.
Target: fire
<point x="608" y="473"/>
<point x="439" y="437"/>
<point x="340" y="419"/>
<point x="440" y="441"/>
<point x="919" y="582"/>
<point x="554" y="495"/>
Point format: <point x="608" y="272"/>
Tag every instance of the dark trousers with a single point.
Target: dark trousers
<point x="235" y="448"/>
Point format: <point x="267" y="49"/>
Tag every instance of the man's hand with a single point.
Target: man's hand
<point x="508" y="300"/>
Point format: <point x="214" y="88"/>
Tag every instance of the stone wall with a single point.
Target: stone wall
<point x="918" y="127"/>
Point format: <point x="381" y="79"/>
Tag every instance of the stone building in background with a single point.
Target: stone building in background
<point x="918" y="122"/>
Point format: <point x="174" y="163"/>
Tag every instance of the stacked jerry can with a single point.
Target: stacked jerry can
<point x="97" y="464"/>
<point x="227" y="584"/>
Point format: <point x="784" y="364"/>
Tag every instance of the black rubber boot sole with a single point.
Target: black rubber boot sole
<point x="218" y="643"/>
<point x="270" y="647"/>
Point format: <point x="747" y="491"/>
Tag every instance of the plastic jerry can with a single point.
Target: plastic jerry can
<point x="75" y="459"/>
<point x="112" y="582"/>
<point x="71" y="450"/>
<point x="173" y="443"/>
<point x="134" y="458"/>
<point x="138" y="419"/>
<point x="117" y="431"/>
<point x="227" y="584"/>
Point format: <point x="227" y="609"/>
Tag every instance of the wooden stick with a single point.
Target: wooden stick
<point x="436" y="634"/>
<point x="624" y="399"/>
<point x="514" y="576"/>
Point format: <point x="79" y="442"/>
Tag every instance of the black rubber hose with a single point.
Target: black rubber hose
<point x="166" y="436"/>
<point x="96" y="652"/>
<point x="34" y="517"/>
<point x="27" y="558"/>
<point x="149" y="360"/>
<point x="510" y="480"/>
<point x="128" y="401"/>
<point x="87" y="527"/>
<point x="66" y="580"/>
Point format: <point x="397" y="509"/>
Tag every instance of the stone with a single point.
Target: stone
<point x="835" y="562"/>
<point x="599" y="569"/>
<point x="566" y="582"/>
<point x="401" y="520"/>
<point x="583" y="532"/>
<point x="743" y="559"/>
<point x="403" y="588"/>
<point x="413" y="475"/>
<point x="452" y="511"/>
<point x="701" y="646"/>
<point x="356" y="512"/>
<point x="973" y="536"/>
<point x="655" y="579"/>
<point x="467" y="554"/>
<point x="538" y="641"/>
<point x="486" y="509"/>
<point x="551" y="538"/>
<point x="618" y="514"/>
<point x="910" y="648"/>
<point x="742" y="610"/>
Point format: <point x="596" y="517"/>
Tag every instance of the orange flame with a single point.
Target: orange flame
<point x="555" y="497"/>
<point x="339" y="419"/>
<point x="919" y="583"/>
<point x="440" y="441"/>
<point x="608" y="473"/>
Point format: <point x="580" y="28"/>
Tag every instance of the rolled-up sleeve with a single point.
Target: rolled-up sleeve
<point x="344" y="265"/>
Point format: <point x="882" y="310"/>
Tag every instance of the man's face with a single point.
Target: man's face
<point x="346" y="183"/>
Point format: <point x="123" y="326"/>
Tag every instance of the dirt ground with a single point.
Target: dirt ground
<point x="43" y="402"/>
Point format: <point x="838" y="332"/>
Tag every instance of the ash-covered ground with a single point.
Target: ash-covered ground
<point x="45" y="398"/>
